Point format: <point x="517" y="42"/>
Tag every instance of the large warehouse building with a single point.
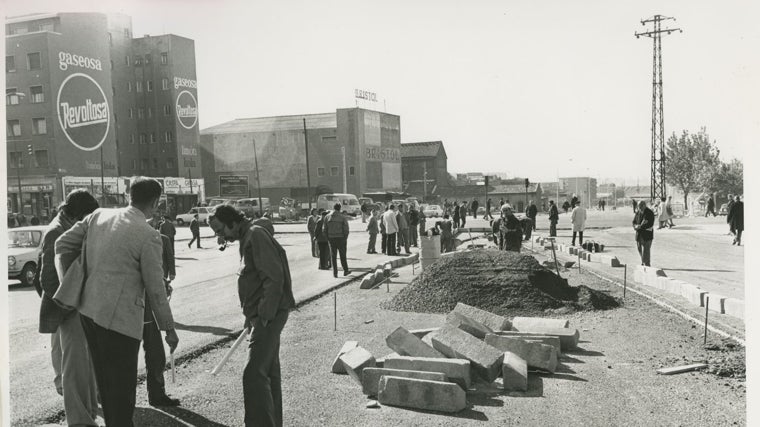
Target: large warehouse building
<point x="85" y="99"/>
<point x="352" y="149"/>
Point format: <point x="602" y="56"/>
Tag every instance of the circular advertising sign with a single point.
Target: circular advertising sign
<point x="83" y="111"/>
<point x="187" y="109"/>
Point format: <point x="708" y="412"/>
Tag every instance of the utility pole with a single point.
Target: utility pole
<point x="343" y="154"/>
<point x="657" y="176"/>
<point x="102" y="179"/>
<point x="258" y="181"/>
<point x="19" y="162"/>
<point x="424" y="181"/>
<point x="308" y="176"/>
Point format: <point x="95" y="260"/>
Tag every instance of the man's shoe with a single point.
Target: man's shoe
<point x="335" y="274"/>
<point x="347" y="272"/>
<point x="164" y="401"/>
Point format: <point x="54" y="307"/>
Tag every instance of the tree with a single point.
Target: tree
<point x="690" y="162"/>
<point x="728" y="178"/>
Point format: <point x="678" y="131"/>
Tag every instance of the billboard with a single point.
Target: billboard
<point x="233" y="186"/>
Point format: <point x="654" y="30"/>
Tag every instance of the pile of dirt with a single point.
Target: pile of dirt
<point x="727" y="359"/>
<point x="505" y="283"/>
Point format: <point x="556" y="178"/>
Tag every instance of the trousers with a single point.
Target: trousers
<point x="114" y="358"/>
<point x="155" y="356"/>
<point x="262" y="383"/>
<point x="413" y="236"/>
<point x="383" y="240"/>
<point x="196" y="238"/>
<point x="55" y="356"/>
<point x="80" y="392"/>
<point x="390" y="243"/>
<point x="580" y="233"/>
<point x="338" y="245"/>
<point x="324" y="255"/>
<point x="644" y="247"/>
<point x="403" y="240"/>
<point x="553" y="229"/>
<point x="372" y="243"/>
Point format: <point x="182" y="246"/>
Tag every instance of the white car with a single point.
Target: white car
<point x="203" y="214"/>
<point x="24" y="249"/>
<point x="433" y="211"/>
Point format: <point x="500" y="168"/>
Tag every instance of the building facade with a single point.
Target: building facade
<point x="352" y="150"/>
<point x="583" y="187"/>
<point x="85" y="99"/>
<point x="424" y="168"/>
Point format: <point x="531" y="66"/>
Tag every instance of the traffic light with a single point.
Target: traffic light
<point x="527" y="183"/>
<point x="486" y="180"/>
<point x="29" y="149"/>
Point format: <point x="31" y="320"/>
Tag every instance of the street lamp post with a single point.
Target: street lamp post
<point x="258" y="181"/>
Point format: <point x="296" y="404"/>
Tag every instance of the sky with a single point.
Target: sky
<point x="526" y="88"/>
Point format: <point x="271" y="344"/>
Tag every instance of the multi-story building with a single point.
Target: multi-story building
<point x="583" y="187"/>
<point x="352" y="150"/>
<point x="423" y="168"/>
<point x="85" y="99"/>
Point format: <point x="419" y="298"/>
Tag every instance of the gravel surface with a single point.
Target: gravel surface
<point x="505" y="283"/>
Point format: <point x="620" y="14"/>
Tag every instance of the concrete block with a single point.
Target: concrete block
<point x="492" y="321"/>
<point x="611" y="261"/>
<point x="420" y="333"/>
<point x="456" y="343"/>
<point x="337" y="366"/>
<point x="734" y="307"/>
<point x="661" y="282"/>
<point x="456" y="370"/>
<point x="568" y="338"/>
<point x="514" y="372"/>
<point x="428" y="339"/>
<point x="545" y="339"/>
<point x="367" y="282"/>
<point x="673" y="286"/>
<point x="404" y="343"/>
<point x="380" y="363"/>
<point x="536" y="239"/>
<point x="526" y="323"/>
<point x="395" y="263"/>
<point x="716" y="303"/>
<point x="421" y="394"/>
<point x="536" y="355"/>
<point x="693" y="294"/>
<point x="371" y="377"/>
<point x="459" y="320"/>
<point x="355" y="360"/>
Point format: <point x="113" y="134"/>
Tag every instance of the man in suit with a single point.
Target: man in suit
<point x="736" y="219"/>
<point x="167" y="229"/>
<point x="643" y="223"/>
<point x="532" y="213"/>
<point x="311" y="225"/>
<point x="336" y="228"/>
<point x="324" y="244"/>
<point x="75" y="378"/>
<point x="195" y="228"/>
<point x="266" y="295"/>
<point x="123" y="270"/>
<point x="391" y="229"/>
<point x="553" y="219"/>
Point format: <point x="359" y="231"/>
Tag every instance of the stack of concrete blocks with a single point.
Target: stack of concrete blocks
<point x="382" y="271"/>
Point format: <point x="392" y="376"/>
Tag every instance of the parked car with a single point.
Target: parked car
<point x="203" y="214"/>
<point x="24" y="249"/>
<point x="723" y="209"/>
<point x="349" y="203"/>
<point x="218" y="201"/>
<point x="250" y="207"/>
<point x="433" y="211"/>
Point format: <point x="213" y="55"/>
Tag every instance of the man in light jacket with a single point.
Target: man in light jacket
<point x="578" y="219"/>
<point x="123" y="257"/>
<point x="391" y="228"/>
<point x="336" y="228"/>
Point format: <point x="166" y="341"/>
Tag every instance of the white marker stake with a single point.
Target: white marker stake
<point x="232" y="349"/>
<point x="171" y="358"/>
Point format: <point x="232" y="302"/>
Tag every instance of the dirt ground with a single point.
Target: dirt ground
<point x="609" y="380"/>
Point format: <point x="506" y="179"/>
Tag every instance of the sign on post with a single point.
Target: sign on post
<point x="233" y="186"/>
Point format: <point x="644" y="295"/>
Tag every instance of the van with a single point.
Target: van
<point x="349" y="202"/>
<point x="250" y="207"/>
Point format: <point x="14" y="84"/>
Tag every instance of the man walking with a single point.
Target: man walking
<point x="336" y="228"/>
<point x="123" y="272"/>
<point x="736" y="219"/>
<point x="266" y="295"/>
<point x="488" y="210"/>
<point x="195" y="228"/>
<point x="372" y="229"/>
<point x="391" y="228"/>
<point x="710" y="207"/>
<point x="578" y="219"/>
<point x="311" y="226"/>
<point x="532" y="213"/>
<point x="729" y="205"/>
<point x="75" y="377"/>
<point x="553" y="219"/>
<point x="643" y="223"/>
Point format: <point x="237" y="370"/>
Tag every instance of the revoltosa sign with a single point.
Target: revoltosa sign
<point x="83" y="111"/>
<point x="187" y="109"/>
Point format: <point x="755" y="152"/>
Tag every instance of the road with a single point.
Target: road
<point x="206" y="307"/>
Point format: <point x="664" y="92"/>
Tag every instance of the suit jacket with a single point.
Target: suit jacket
<point x="51" y="314"/>
<point x="336" y="225"/>
<point x="553" y="213"/>
<point x="389" y="220"/>
<point x="645" y="220"/>
<point x="123" y="269"/>
<point x="167" y="229"/>
<point x="372" y="226"/>
<point x="195" y="227"/>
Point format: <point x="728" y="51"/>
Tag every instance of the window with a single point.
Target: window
<point x="164" y="84"/>
<point x="37" y="95"/>
<point x="129" y="86"/>
<point x="153" y="138"/>
<point x="143" y="164"/>
<point x="14" y="128"/>
<point x="127" y="60"/>
<point x="39" y="126"/>
<point x="138" y="61"/>
<point x="11" y="96"/>
<point x="164" y="58"/>
<point x="46" y="26"/>
<point x="320" y="171"/>
<point x="134" y="164"/>
<point x="16" y="160"/>
<point x="131" y="138"/>
<point x="138" y="86"/>
<point x="155" y="163"/>
<point x="10" y="64"/>
<point x="142" y="138"/>
<point x="150" y="112"/>
<point x="167" y="110"/>
<point x="147" y="59"/>
<point x="351" y="170"/>
<point x="149" y="85"/>
<point x="168" y="136"/>
<point x="33" y="60"/>
<point x="41" y="158"/>
<point x="169" y="163"/>
<point x="131" y="113"/>
<point x="328" y="139"/>
<point x="334" y="171"/>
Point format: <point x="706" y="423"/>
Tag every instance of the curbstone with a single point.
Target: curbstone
<point x="545" y="339"/>
<point x="716" y="303"/>
<point x="371" y="377"/>
<point x="536" y="355"/>
<point x="492" y="321"/>
<point x="404" y="343"/>
<point x="456" y="343"/>
<point x="693" y="294"/>
<point x="523" y="324"/>
<point x="472" y="327"/>
<point x="420" y="333"/>
<point x="367" y="282"/>
<point x="380" y="363"/>
<point x="568" y="338"/>
<point x="337" y="366"/>
<point x="355" y="360"/>
<point x="456" y="370"/>
<point x="514" y="372"/>
<point x="734" y="307"/>
<point x="421" y="394"/>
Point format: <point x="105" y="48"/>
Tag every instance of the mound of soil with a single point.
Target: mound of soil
<point x="505" y="283"/>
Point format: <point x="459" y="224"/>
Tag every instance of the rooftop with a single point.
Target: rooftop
<point x="276" y="123"/>
<point x="422" y="149"/>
